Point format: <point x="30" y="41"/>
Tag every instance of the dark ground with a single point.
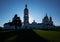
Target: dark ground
<point x="22" y="35"/>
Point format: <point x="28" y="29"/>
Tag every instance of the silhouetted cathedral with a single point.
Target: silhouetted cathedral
<point x="17" y="24"/>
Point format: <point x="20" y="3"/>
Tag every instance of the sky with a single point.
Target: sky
<point x="37" y="10"/>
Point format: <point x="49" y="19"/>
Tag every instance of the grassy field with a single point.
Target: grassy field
<point x="52" y="36"/>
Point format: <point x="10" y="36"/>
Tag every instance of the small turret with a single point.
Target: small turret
<point x="51" y="22"/>
<point x="50" y="18"/>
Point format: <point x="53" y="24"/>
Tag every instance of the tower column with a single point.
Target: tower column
<point x="26" y="17"/>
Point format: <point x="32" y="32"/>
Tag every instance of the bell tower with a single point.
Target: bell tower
<point x="26" y="16"/>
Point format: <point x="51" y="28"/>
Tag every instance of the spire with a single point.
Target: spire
<point x="26" y="6"/>
<point x="46" y="14"/>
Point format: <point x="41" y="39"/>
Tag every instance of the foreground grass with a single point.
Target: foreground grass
<point x="52" y="36"/>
